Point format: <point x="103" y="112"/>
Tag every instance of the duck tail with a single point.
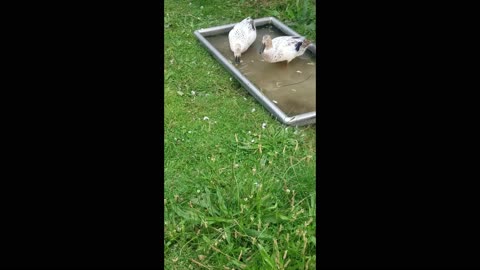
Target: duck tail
<point x="306" y="43"/>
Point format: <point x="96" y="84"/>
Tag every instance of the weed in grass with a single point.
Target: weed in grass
<point x="298" y="14"/>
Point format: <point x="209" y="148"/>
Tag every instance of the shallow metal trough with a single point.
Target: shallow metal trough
<point x="296" y="120"/>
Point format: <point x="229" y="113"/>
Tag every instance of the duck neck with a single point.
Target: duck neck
<point x="268" y="45"/>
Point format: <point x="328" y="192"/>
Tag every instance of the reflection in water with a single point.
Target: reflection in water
<point x="291" y="87"/>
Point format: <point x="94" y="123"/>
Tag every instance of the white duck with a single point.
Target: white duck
<point x="285" y="48"/>
<point x="241" y="37"/>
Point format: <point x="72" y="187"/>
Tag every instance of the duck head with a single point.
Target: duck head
<point x="266" y="43"/>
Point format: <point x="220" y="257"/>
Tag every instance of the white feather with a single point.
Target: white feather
<point x="284" y="49"/>
<point x="242" y="36"/>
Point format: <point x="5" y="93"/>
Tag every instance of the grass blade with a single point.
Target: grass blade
<point x="265" y="256"/>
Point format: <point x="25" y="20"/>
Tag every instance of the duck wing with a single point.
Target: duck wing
<point x="293" y="43"/>
<point x="298" y="45"/>
<point x="296" y="42"/>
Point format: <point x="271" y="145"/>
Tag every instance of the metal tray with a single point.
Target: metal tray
<point x="295" y="120"/>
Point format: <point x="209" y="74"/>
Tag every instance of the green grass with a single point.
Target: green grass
<point x="237" y="195"/>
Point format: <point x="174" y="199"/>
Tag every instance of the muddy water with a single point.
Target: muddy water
<point x="291" y="87"/>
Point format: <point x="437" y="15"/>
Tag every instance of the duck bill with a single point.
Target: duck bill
<point x="262" y="48"/>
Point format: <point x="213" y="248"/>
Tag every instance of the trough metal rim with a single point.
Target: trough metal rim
<point x="296" y="120"/>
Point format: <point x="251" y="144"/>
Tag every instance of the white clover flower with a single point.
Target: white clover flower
<point x="193" y="93"/>
<point x="264" y="125"/>
<point x="205" y="118"/>
<point x="253" y="110"/>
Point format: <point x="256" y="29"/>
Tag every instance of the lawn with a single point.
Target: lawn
<point x="239" y="194"/>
